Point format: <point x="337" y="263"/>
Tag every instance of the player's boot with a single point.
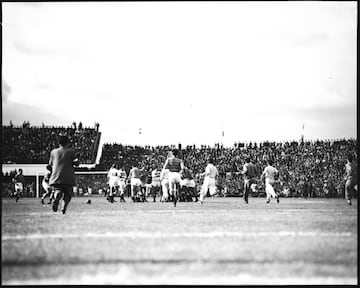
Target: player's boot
<point x="277" y="199"/>
<point x="268" y="201"/>
<point x="55" y="205"/>
<point x="42" y="201"/>
<point x="349" y="202"/>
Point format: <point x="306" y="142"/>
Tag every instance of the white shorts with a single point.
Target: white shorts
<point x="122" y="185"/>
<point x="209" y="183"/>
<point x="174" y="177"/>
<point x="113" y="182"/>
<point x="135" y="182"/>
<point x="165" y="187"/>
<point x="156" y="183"/>
<point x="45" y="185"/>
<point x="19" y="187"/>
<point x="188" y="183"/>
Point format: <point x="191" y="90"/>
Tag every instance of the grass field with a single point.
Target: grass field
<point x="223" y="241"/>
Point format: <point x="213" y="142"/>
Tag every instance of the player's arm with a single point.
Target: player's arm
<point x="181" y="166"/>
<point x="76" y="161"/>
<point x="263" y="175"/>
<point x="166" y="163"/>
<point x="244" y="170"/>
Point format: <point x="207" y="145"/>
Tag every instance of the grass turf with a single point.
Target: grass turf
<point x="223" y="241"/>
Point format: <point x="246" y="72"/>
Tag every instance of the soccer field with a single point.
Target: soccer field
<point x="223" y="241"/>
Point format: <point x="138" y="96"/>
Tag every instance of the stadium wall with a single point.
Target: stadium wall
<point x="33" y="169"/>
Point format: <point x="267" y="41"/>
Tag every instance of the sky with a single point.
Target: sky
<point x="162" y="73"/>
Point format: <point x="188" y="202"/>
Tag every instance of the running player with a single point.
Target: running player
<point x="175" y="166"/>
<point x="350" y="178"/>
<point x="45" y="184"/>
<point x="18" y="181"/>
<point x="271" y="174"/>
<point x="249" y="172"/>
<point x="62" y="179"/>
<point x="211" y="174"/>
<point x="188" y="183"/>
<point x="122" y="183"/>
<point x="113" y="182"/>
<point x="155" y="182"/>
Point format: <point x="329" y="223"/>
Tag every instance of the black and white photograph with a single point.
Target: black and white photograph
<point x="179" y="143"/>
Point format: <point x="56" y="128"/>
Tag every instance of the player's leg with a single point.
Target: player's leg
<point x="58" y="193"/>
<point x="122" y="191"/>
<point x="165" y="191"/>
<point x="204" y="190"/>
<point x="174" y="192"/>
<point x="246" y="190"/>
<point x="349" y="189"/>
<point x="66" y="198"/>
<point x="193" y="192"/>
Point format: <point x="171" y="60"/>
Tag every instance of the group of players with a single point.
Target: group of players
<point x="174" y="181"/>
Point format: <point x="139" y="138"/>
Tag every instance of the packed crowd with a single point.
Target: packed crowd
<point x="307" y="168"/>
<point x="28" y="144"/>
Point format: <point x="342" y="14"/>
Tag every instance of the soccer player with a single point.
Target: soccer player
<point x="155" y="182"/>
<point x="122" y="183"/>
<point x="18" y="181"/>
<point x="135" y="182"/>
<point x="188" y="183"/>
<point x="271" y="174"/>
<point x="175" y="166"/>
<point x="249" y="173"/>
<point x="164" y="178"/>
<point x="45" y="184"/>
<point x="350" y="178"/>
<point x="211" y="174"/>
<point x="113" y="182"/>
<point x="62" y="178"/>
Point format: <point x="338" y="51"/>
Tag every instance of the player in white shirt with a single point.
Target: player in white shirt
<point x="122" y="183"/>
<point x="155" y="182"/>
<point x="113" y="182"/>
<point x="45" y="184"/>
<point x="211" y="174"/>
<point x="135" y="182"/>
<point x="164" y="178"/>
<point x="271" y="175"/>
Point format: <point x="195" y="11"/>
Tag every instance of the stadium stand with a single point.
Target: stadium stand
<point x="28" y="144"/>
<point x="307" y="168"/>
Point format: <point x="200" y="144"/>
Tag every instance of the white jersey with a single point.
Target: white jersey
<point x="122" y="175"/>
<point x="211" y="171"/>
<point x="270" y="172"/>
<point x="113" y="176"/>
<point x="164" y="175"/>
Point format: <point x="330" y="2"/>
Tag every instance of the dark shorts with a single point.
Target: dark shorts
<point x="64" y="189"/>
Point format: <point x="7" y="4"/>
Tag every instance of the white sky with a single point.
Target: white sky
<point x="183" y="71"/>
